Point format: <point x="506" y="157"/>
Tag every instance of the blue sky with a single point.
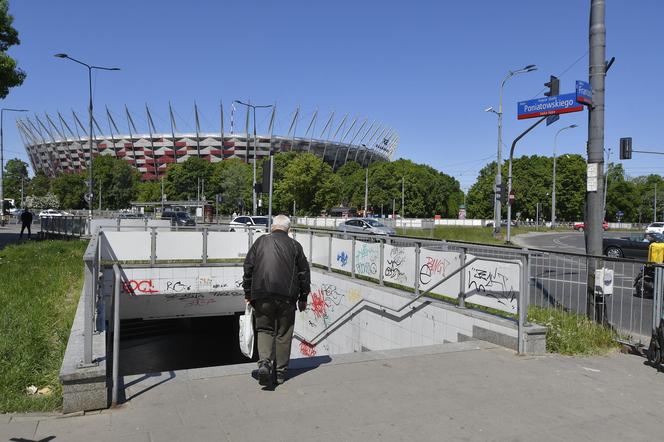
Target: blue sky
<point x="427" y="69"/>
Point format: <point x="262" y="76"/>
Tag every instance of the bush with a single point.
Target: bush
<point x="573" y="334"/>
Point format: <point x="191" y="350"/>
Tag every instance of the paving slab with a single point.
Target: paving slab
<point x="471" y="392"/>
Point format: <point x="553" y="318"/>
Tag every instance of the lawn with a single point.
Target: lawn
<point x="41" y="284"/>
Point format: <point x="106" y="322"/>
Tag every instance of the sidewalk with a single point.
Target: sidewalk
<point x="466" y="391"/>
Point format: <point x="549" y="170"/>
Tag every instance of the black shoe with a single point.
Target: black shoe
<point x="281" y="378"/>
<point x="264" y="370"/>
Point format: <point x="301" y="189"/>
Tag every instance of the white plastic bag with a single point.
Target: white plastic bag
<point x="247" y="332"/>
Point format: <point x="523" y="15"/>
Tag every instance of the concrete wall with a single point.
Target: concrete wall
<point x="370" y="328"/>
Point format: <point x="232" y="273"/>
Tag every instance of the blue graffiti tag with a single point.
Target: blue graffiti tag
<point x="342" y="258"/>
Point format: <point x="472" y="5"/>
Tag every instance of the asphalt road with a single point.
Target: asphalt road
<point x="559" y="280"/>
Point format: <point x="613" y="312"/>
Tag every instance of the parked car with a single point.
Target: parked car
<point x="655" y="227"/>
<point x="503" y="223"/>
<point x="634" y="246"/>
<point x="51" y="213"/>
<point x="178" y="218"/>
<point x="365" y="225"/>
<point x="257" y="223"/>
<point x="130" y="215"/>
<point x="580" y="227"/>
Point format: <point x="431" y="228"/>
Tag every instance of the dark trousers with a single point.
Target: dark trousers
<point x="23" y="226"/>
<point x="275" y="320"/>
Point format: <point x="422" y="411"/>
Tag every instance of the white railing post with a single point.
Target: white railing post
<point x="205" y="245"/>
<point x="329" y="254"/>
<point x="311" y="245"/>
<point x="116" y="333"/>
<point x="153" y="245"/>
<point x="352" y="258"/>
<point x="462" y="278"/>
<point x="381" y="264"/>
<point x="417" y="268"/>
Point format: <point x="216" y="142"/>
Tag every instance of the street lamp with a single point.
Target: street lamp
<point x="499" y="113"/>
<point x="2" y="161"/>
<point x="254" y="196"/>
<point x="90" y="195"/>
<point x="553" y="190"/>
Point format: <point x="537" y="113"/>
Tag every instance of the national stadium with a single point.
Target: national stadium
<point x="57" y="143"/>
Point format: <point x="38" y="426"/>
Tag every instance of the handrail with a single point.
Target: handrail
<point x="116" y="332"/>
<point x="330" y="328"/>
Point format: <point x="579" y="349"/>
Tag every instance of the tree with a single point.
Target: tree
<point x="48" y="201"/>
<point x="232" y="179"/>
<point x="183" y="178"/>
<point x="40" y="184"/>
<point x="310" y="183"/>
<point x="15" y="174"/>
<point x="10" y="75"/>
<point x="70" y="189"/>
<point x="148" y="191"/>
<point x="118" y="181"/>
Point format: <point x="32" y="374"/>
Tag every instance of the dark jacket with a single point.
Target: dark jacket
<point x="26" y="217"/>
<point x="276" y="267"/>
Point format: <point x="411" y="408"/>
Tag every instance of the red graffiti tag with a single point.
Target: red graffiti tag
<point x="141" y="286"/>
<point x="307" y="349"/>
<point x="318" y="306"/>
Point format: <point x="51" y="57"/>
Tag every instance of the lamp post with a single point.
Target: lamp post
<point x="254" y="196"/>
<point x="499" y="113"/>
<point x="553" y="190"/>
<point x="2" y="161"/>
<point x="90" y="196"/>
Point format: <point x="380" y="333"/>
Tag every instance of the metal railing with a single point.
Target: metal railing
<point x="70" y="226"/>
<point x="90" y="293"/>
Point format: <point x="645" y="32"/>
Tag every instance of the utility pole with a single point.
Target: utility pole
<point x="595" y="185"/>
<point x="366" y="192"/>
<point x="100" y="195"/>
<point x="654" y="206"/>
<point x="403" y="213"/>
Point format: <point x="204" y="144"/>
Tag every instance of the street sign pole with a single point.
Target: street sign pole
<point x="594" y="199"/>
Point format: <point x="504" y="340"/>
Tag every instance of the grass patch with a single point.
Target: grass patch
<point x="41" y="284"/>
<point x="573" y="334"/>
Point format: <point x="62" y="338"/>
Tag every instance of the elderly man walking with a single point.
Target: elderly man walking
<point x="276" y="278"/>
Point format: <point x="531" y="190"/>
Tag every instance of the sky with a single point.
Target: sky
<point x="428" y="69"/>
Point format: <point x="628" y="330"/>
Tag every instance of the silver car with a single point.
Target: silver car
<point x="365" y="225"/>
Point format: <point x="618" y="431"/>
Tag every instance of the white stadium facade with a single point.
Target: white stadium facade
<point x="56" y="144"/>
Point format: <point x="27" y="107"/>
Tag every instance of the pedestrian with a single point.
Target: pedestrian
<point x="234" y="216"/>
<point x="26" y="221"/>
<point x="276" y="278"/>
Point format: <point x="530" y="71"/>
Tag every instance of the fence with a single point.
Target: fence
<point x="64" y="225"/>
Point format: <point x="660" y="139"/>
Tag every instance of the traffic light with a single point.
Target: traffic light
<point x="502" y="194"/>
<point x="554" y="87"/>
<point x="626" y="148"/>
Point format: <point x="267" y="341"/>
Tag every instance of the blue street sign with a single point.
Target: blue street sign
<point x="584" y="94"/>
<point x="541" y="107"/>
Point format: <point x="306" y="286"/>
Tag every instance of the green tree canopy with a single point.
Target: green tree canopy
<point x="70" y="189"/>
<point x="40" y="184"/>
<point x="182" y="179"/>
<point x="118" y="181"/>
<point x="15" y="174"/>
<point x="10" y="75"/>
<point x="232" y="180"/>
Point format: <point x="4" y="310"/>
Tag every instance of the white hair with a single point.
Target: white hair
<point x="281" y="222"/>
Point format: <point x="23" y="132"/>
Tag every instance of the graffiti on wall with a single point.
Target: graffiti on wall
<point x="139" y="287"/>
<point x="366" y="260"/>
<point x="324" y="301"/>
<point x="433" y="268"/>
<point x="395" y="265"/>
<point x="342" y="259"/>
<point x="490" y="281"/>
